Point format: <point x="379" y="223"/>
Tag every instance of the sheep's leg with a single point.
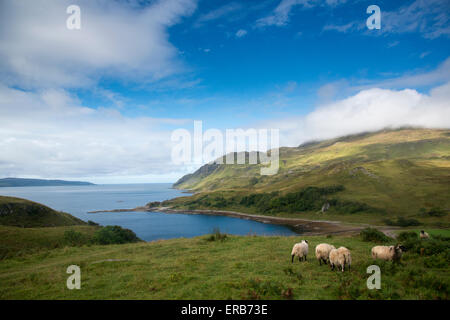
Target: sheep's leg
<point x="306" y="259"/>
<point x="320" y="261"/>
<point x="293" y="258"/>
<point x="299" y="259"/>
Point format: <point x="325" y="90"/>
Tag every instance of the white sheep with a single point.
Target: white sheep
<point x="337" y="259"/>
<point x="388" y="253"/>
<point x="300" y="250"/>
<point x="347" y="256"/>
<point x="424" y="235"/>
<point x="323" y="252"/>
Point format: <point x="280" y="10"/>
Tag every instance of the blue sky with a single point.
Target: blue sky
<point x="224" y="70"/>
<point x="229" y="63"/>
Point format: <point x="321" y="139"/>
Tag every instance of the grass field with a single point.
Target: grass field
<point x="239" y="267"/>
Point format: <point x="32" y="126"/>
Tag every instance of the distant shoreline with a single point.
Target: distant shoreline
<point x="24" y="182"/>
<point x="301" y="226"/>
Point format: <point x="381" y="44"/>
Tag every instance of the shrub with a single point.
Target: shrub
<point x="373" y="235"/>
<point x="407" y="236"/>
<point x="74" y="238"/>
<point x="433" y="212"/>
<point x="114" y="235"/>
<point x="92" y="223"/>
<point x="402" y="222"/>
<point x="216" y="235"/>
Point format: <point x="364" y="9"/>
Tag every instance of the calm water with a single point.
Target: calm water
<point x="78" y="200"/>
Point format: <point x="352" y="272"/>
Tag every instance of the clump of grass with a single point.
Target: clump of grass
<point x="373" y="235"/>
<point x="217" y="235"/>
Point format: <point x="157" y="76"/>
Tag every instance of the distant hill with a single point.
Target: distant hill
<point x="401" y="172"/>
<point x="19" y="182"/>
<point x="28" y="214"/>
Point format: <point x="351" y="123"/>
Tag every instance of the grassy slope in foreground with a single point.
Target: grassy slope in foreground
<point x="240" y="267"/>
<point x="24" y="213"/>
<point x="396" y="171"/>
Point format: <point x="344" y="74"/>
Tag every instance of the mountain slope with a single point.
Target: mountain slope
<point x="396" y="171"/>
<point x="28" y="214"/>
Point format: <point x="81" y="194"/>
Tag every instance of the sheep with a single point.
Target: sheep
<point x="300" y="250"/>
<point x="347" y="256"/>
<point x="323" y="252"/>
<point x="424" y="235"/>
<point x="391" y="253"/>
<point x="337" y="258"/>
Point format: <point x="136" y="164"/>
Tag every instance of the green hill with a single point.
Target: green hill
<point x="369" y="177"/>
<point x="27" y="214"/>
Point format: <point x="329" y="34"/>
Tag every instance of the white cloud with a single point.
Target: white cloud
<point x="415" y="79"/>
<point x="217" y="13"/>
<point x="369" y="110"/>
<point x="280" y="15"/>
<point x="116" y="38"/>
<point x="241" y="33"/>
<point x="48" y="134"/>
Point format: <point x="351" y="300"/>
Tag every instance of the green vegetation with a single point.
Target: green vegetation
<point x="390" y="173"/>
<point x="216" y="236"/>
<point x="374" y="235"/>
<point x="18" y="242"/>
<point x="241" y="267"/>
<point x="403" y="222"/>
<point x="114" y="235"/>
<point x="26" y="214"/>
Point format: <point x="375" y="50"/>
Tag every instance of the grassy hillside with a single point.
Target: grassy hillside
<point x="24" y="213"/>
<point x="393" y="173"/>
<point x="17" y="242"/>
<point x="238" y="267"/>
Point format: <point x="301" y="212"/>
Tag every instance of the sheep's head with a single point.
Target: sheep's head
<point x="305" y="241"/>
<point x="398" y="251"/>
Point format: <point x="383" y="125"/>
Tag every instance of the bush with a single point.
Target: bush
<point x="92" y="223"/>
<point x="216" y="235"/>
<point x="407" y="236"/>
<point x="402" y="222"/>
<point x="433" y="212"/>
<point x="74" y="238"/>
<point x="114" y="235"/>
<point x="435" y="246"/>
<point x="373" y="235"/>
